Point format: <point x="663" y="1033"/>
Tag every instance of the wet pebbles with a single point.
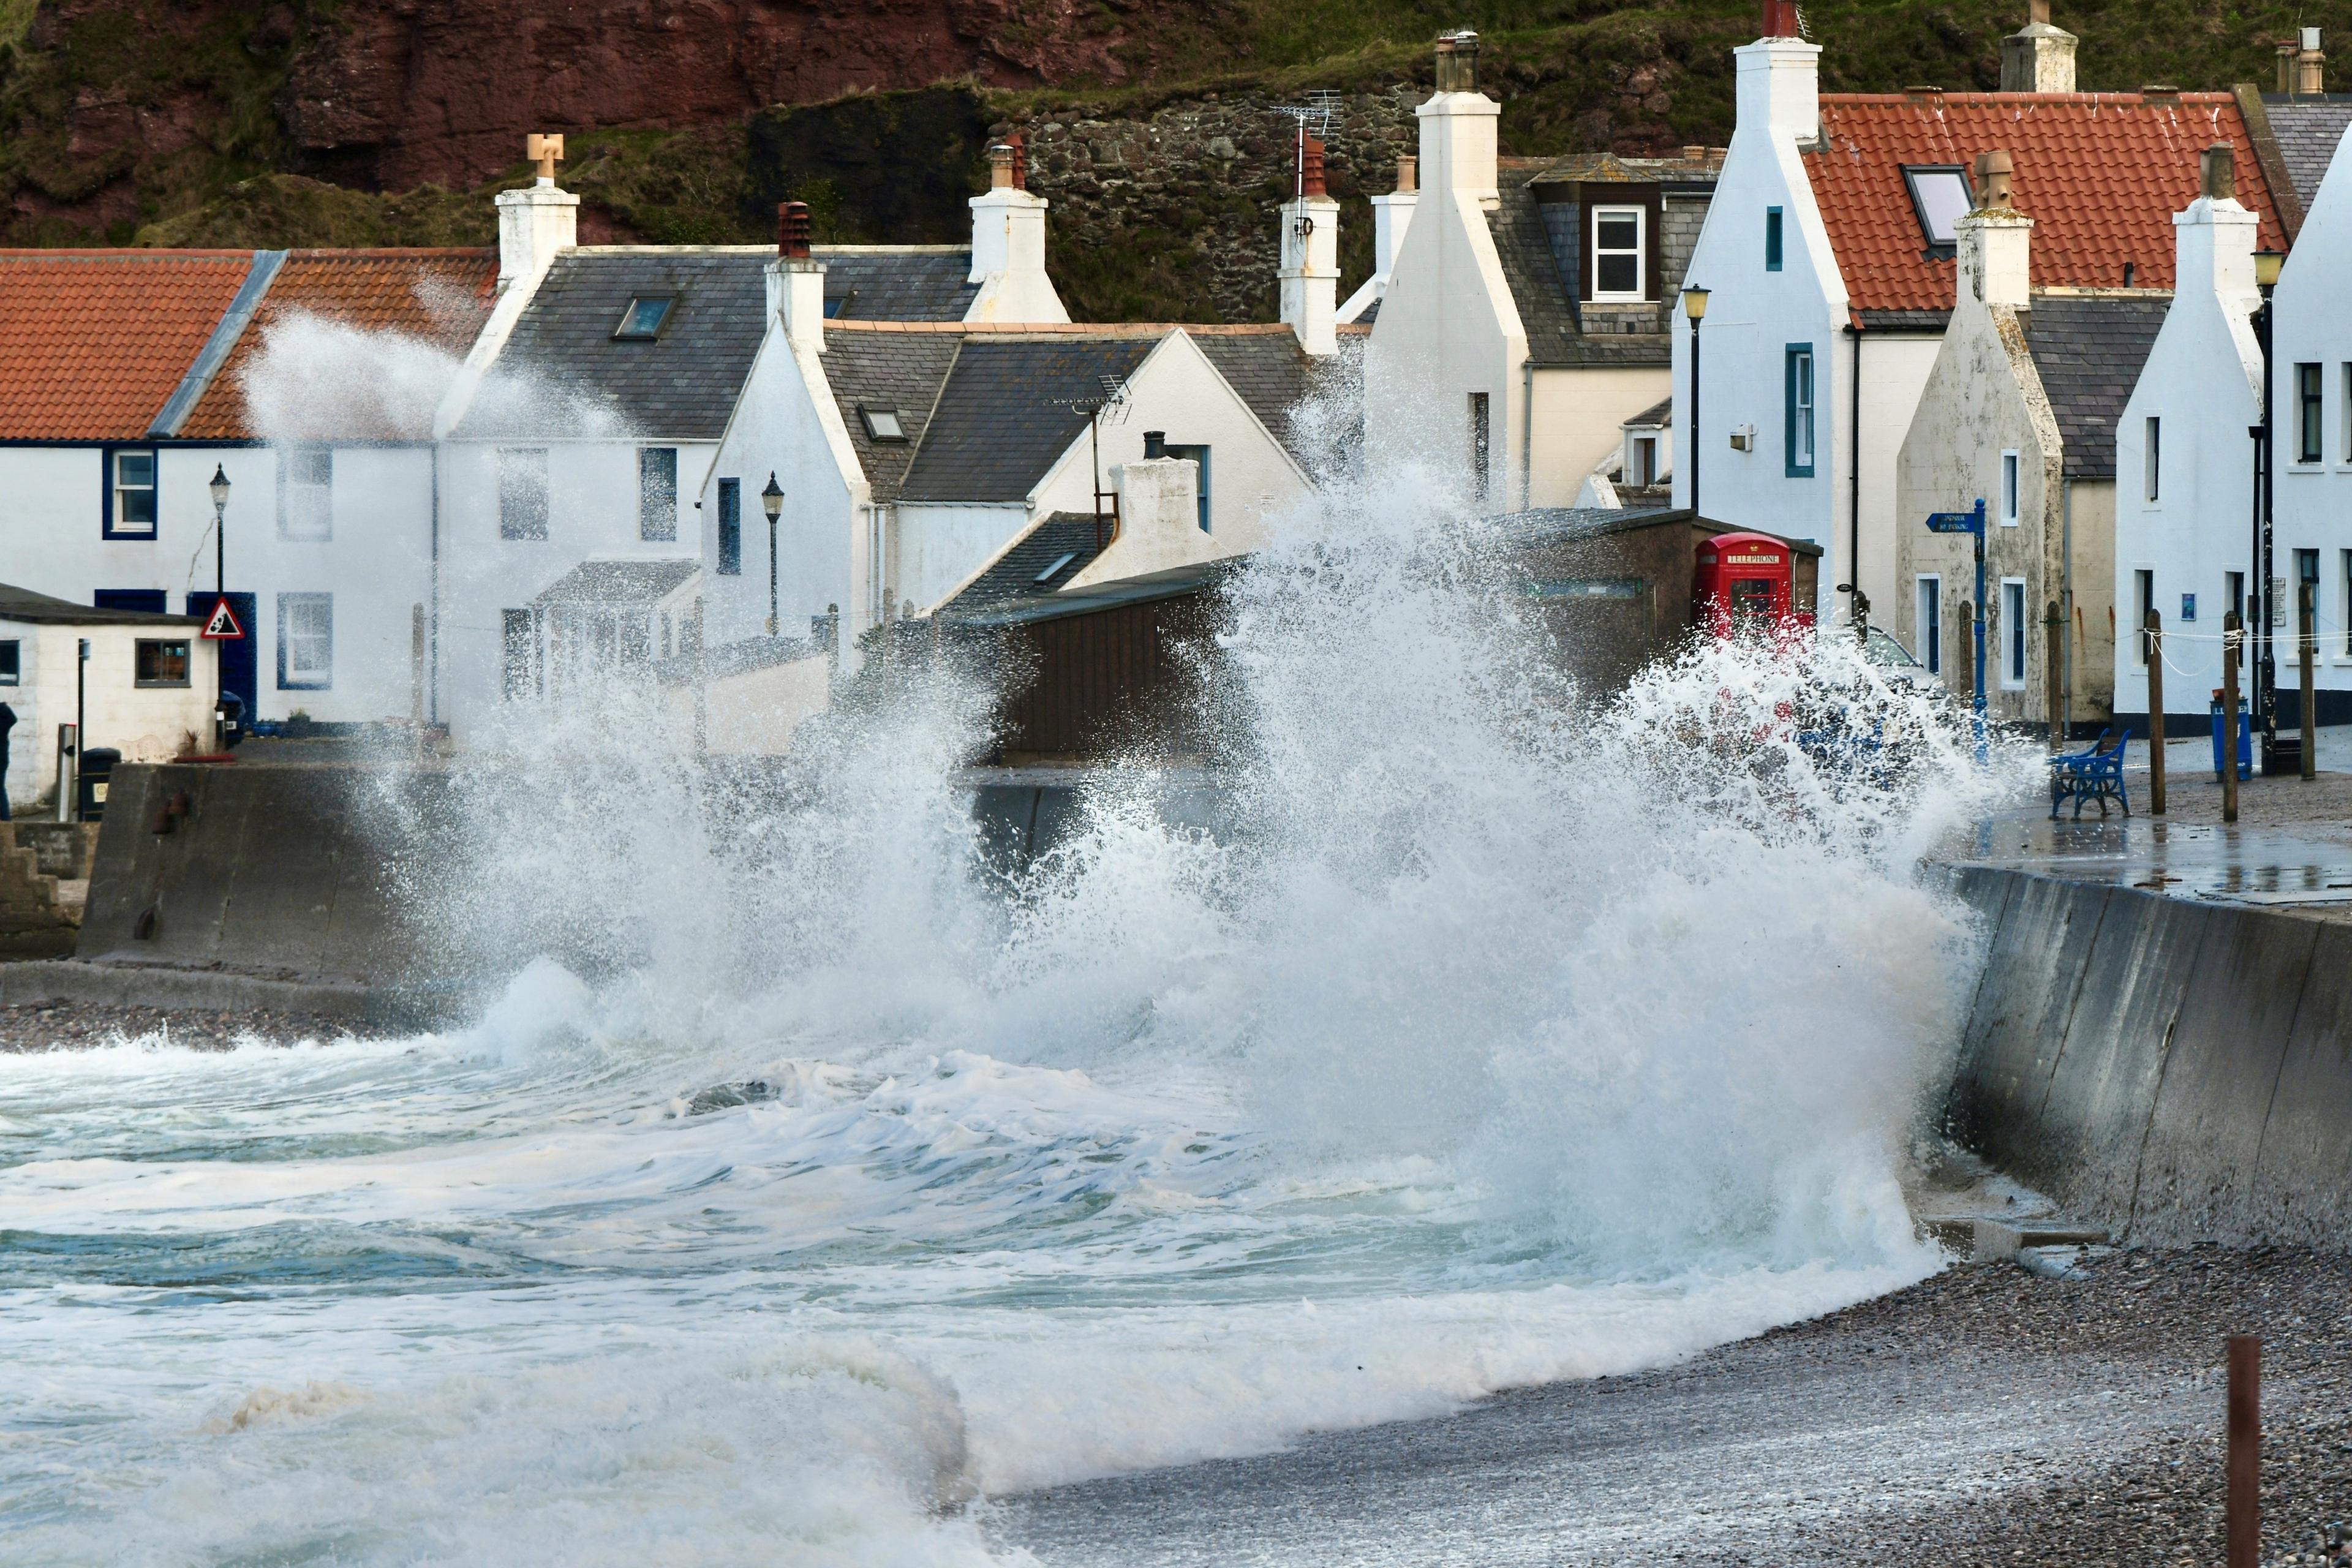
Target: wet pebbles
<point x="68" y="1025"/>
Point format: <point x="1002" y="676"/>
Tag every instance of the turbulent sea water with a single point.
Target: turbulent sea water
<point x="813" y="1188"/>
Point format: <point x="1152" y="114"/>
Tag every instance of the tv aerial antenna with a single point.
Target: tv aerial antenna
<point x="1322" y="105"/>
<point x="1109" y="404"/>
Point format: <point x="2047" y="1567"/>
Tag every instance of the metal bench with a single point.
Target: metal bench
<point x="2094" y="775"/>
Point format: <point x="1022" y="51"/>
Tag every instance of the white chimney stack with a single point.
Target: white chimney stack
<point x="797" y="280"/>
<point x="1159" y="518"/>
<point x="538" y="221"/>
<point x="1310" y="254"/>
<point x="1008" y="245"/>
<point x="2213" y="240"/>
<point x="1996" y="241"/>
<point x="1459" y="149"/>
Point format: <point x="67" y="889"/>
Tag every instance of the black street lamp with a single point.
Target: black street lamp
<point x="220" y="542"/>
<point x="2266" y="275"/>
<point x="772" y="500"/>
<point x="1695" y="308"/>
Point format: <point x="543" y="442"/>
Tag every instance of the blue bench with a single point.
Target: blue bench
<point x="2094" y="775"/>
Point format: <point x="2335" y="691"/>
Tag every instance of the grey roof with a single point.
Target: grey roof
<point x="1173" y="584"/>
<point x="2307" y="131"/>
<point x="1005" y="414"/>
<point x="925" y="284"/>
<point x="616" y="583"/>
<point x="1271" y="372"/>
<point x="24" y="604"/>
<point x="1905" y="320"/>
<point x="682" y="384"/>
<point x="2088" y="349"/>
<point x="1545" y="311"/>
<point x="1660" y="412"/>
<point x="1557" y="524"/>
<point x="900" y="370"/>
<point x="1041" y="561"/>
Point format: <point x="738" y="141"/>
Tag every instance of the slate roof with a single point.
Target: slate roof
<point x="2308" y="130"/>
<point x="39" y="609"/>
<point x="1004" y="414"/>
<point x="900" y="283"/>
<point x="2088" y="349"/>
<point x="682" y="385"/>
<point x="93" y="344"/>
<point x="1660" y="412"/>
<point x="441" y="297"/>
<point x="2100" y="174"/>
<point x="616" y="583"/>
<point x="1532" y="271"/>
<point x="1041" y="561"/>
<point x="1273" y="374"/>
<point x="903" y="372"/>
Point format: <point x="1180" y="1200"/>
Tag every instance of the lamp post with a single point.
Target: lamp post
<point x="2266" y="275"/>
<point x="220" y="542"/>
<point x="1695" y="311"/>
<point x="772" y="501"/>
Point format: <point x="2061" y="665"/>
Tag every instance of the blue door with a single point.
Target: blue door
<point x="238" y="665"/>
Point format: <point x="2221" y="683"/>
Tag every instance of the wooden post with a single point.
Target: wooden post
<point x="1968" y="630"/>
<point x="2230" y="633"/>
<point x="2155" y="642"/>
<point x="2310" y="697"/>
<point x="416" y="674"/>
<point x="2054" y="657"/>
<point x="2244" y="1505"/>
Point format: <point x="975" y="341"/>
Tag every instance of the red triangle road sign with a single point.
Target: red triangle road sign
<point x="221" y="625"/>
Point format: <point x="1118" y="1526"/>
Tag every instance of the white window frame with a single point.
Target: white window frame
<point x="1927" y="608"/>
<point x="2143" y="601"/>
<point x="2151" y="459"/>
<point x="293" y="643"/>
<point x="11" y="671"/>
<point x="1639" y="253"/>
<point x="306" y="506"/>
<point x="2344" y="415"/>
<point x="2015" y="635"/>
<point x="2012" y="483"/>
<point x="119" y="525"/>
<point x="521" y="469"/>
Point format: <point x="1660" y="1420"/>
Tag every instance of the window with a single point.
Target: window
<point x="2152" y="459"/>
<point x="2348" y="599"/>
<point x="306" y="493"/>
<point x="516" y="648"/>
<point x="1641" y="471"/>
<point x="642" y="322"/>
<point x="1064" y="559"/>
<point x="657" y="492"/>
<point x="131" y="494"/>
<point x="2009" y="490"/>
<point x="160" y="663"/>
<point x="2233" y="593"/>
<point x="2012" y="633"/>
<point x="2142" y="607"/>
<point x="2308" y="409"/>
<point x="1617" y="253"/>
<point x="2345" y="406"/>
<point x="1798" y="411"/>
<point x="306" y="642"/>
<point x="1199" y="454"/>
<point x="1772" y="239"/>
<point x="882" y="424"/>
<point x="2306" y="575"/>
<point x="731" y="527"/>
<point x="1941" y="197"/>
<point x="146" y="601"/>
<point x="1930" y="593"/>
<point x="12" y="661"/>
<point x="2187" y="606"/>
<point x="1481" y="448"/>
<point x="522" y="492"/>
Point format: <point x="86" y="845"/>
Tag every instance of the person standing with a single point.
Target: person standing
<point x="7" y="722"/>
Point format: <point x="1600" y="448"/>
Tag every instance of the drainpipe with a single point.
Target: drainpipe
<point x="1854" y="482"/>
<point x="2066" y="601"/>
<point x="433" y="597"/>
<point x="1527" y="434"/>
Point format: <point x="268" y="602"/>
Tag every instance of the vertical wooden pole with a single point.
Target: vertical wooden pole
<point x="2229" y="633"/>
<point x="2244" y="1509"/>
<point x="2156" y="712"/>
<point x="2055" y="657"/>
<point x="2310" y="697"/>
<point x="1968" y="630"/>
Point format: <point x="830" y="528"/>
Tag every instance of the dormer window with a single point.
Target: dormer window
<point x="642" y="322"/>
<point x="882" y="424"/>
<point x="1941" y="198"/>
<point x="1617" y="253"/>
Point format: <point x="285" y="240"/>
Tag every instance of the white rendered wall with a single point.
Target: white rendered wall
<point x="146" y="724"/>
<point x="1579" y="418"/>
<point x="2313" y="312"/>
<point x="1895" y="370"/>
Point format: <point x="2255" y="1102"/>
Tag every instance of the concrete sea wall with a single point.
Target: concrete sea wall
<point x="2175" y="1070"/>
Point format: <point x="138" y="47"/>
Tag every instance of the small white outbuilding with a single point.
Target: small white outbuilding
<point x="147" y="691"/>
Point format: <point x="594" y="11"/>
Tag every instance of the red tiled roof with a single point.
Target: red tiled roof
<point x="2100" y="174"/>
<point x="94" y="342"/>
<point x="440" y="296"/>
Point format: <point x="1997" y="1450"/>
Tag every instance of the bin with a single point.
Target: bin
<point x="2245" y="741"/>
<point x="90" y="781"/>
<point x="229" y="721"/>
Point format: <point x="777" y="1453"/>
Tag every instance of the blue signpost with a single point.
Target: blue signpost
<point x="1972" y="523"/>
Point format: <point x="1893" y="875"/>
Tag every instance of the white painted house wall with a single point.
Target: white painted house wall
<point x="2201" y="381"/>
<point x="145" y="724"/>
<point x="2313" y="324"/>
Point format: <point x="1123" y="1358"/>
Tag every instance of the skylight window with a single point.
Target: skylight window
<point x="644" y="318"/>
<point x="883" y="424"/>
<point x="1048" y="574"/>
<point x="1941" y="197"/>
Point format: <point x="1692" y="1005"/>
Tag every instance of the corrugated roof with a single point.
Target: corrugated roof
<point x="94" y="342"/>
<point x="1041" y="561"/>
<point x="1006" y="413"/>
<point x="441" y="296"/>
<point x="2308" y="130"/>
<point x="2088" y="349"/>
<point x="2100" y="174"/>
<point x="899" y="371"/>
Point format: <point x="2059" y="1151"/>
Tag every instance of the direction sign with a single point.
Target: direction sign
<point x="1951" y="523"/>
<point x="221" y="625"/>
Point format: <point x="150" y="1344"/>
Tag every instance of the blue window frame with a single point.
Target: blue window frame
<point x="731" y="527"/>
<point x="1199" y="454"/>
<point x="129" y="487"/>
<point x="146" y="601"/>
<point x="1772" y="239"/>
<point x="1798" y="410"/>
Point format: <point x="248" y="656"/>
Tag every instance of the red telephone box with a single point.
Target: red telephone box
<point x="1745" y="582"/>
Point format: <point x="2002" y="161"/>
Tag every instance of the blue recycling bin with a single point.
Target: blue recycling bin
<point x="2245" y="741"/>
